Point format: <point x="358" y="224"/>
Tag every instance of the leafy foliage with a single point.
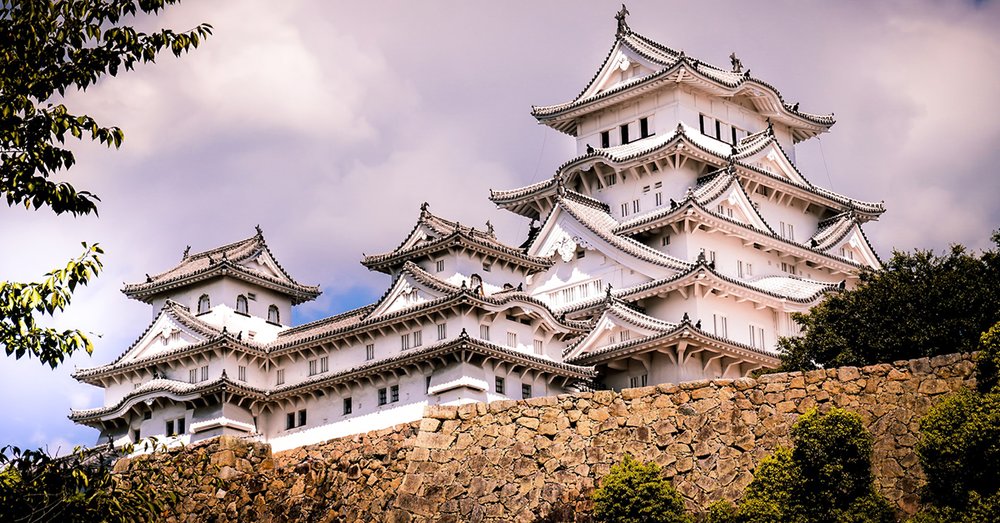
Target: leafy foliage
<point x="635" y="492"/>
<point x="20" y="303"/>
<point x="825" y="477"/>
<point x="988" y="361"/>
<point x="49" y="48"/>
<point x="920" y="304"/>
<point x="959" y="449"/>
<point x="81" y="487"/>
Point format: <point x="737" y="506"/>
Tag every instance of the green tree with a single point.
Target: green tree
<point x="824" y="478"/>
<point x="959" y="447"/>
<point x="635" y="492"/>
<point x="920" y="304"/>
<point x="49" y="48"/>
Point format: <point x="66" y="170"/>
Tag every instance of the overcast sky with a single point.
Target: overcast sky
<point x="328" y="123"/>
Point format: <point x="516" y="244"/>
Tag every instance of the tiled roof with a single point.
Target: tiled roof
<point x="791" y="288"/>
<point x="603" y="224"/>
<point x="443" y="234"/>
<point x="670" y="61"/>
<point x="227" y="260"/>
<point x="683" y="329"/>
<point x="621" y="309"/>
<point x="181" y="315"/>
<point x="462" y="342"/>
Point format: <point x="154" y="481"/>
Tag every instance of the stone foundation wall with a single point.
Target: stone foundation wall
<point x="540" y="458"/>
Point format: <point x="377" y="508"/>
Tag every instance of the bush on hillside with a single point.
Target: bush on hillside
<point x="635" y="492"/>
<point x="988" y="361"/>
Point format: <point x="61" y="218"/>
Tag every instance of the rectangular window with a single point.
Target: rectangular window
<point x="484" y="332"/>
<point x="657" y="185"/>
<point x="739" y="267"/>
<point x="427" y="384"/>
<point x="251" y="296"/>
<point x="404" y="341"/>
<point x="381" y="397"/>
<point x="718" y="127"/>
<point x="624" y="133"/>
<point x="204" y="372"/>
<point x="791" y="232"/>
<point x="169" y="431"/>
<point x="580" y="254"/>
<point x="659" y="198"/>
<point x="242" y="373"/>
<point x="302" y="417"/>
<point x="439" y="266"/>
<point x="312" y="367"/>
<point x="418" y="338"/>
<point x="394" y="393"/>
<point x="512" y="339"/>
<point x="643" y="127"/>
<point x="626" y="335"/>
<point x="525" y="391"/>
<point x="725" y="132"/>
<point x="135" y="435"/>
<point x="624" y="210"/>
<point x="324" y="364"/>
<point x="605" y="139"/>
<point x="665" y="241"/>
<point x="442" y="331"/>
<point x="370" y="351"/>
<point x="701" y="123"/>
<point x="289" y="421"/>
<point x="498" y="385"/>
<point x="487" y="266"/>
<point x="281" y="377"/>
<point x="610" y="179"/>
<point x="637" y="381"/>
<point x="181" y="429"/>
<point x="348" y="406"/>
<point x="635" y="205"/>
<point x="538" y="347"/>
<point x="645" y="189"/>
<point x="720" y="325"/>
<point x="193" y="376"/>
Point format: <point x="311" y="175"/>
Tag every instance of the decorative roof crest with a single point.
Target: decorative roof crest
<point x="260" y="232"/>
<point x="187" y="252"/>
<point x="737" y="64"/>
<point x="623" y="28"/>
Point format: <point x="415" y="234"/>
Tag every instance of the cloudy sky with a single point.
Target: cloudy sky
<point x="328" y="123"/>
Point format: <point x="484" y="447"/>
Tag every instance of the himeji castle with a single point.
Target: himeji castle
<point x="675" y="246"/>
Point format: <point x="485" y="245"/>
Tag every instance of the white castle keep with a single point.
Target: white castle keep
<point x="674" y="247"/>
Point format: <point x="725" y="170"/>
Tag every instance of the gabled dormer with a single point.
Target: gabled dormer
<point x="239" y="280"/>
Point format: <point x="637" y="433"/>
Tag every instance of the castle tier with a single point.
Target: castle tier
<point x="675" y="246"/>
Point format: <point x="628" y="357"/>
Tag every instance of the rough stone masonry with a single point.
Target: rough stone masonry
<point x="527" y="460"/>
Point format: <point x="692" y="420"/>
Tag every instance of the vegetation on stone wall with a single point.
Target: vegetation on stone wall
<point x="82" y="487"/>
<point x="825" y="477"/>
<point x="921" y="304"/>
<point x="635" y="492"/>
<point x="959" y="447"/>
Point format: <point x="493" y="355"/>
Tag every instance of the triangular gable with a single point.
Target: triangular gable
<point x="854" y="246"/>
<point x="617" y="325"/>
<point x="623" y="65"/>
<point x="407" y="291"/>
<point x="772" y="158"/>
<point x="265" y="264"/>
<point x="734" y="203"/>
<point x="563" y="233"/>
<point x="164" y="334"/>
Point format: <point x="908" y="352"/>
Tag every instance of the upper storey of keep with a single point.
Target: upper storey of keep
<point x="248" y="262"/>
<point x="644" y="88"/>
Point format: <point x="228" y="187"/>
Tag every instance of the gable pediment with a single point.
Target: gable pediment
<point x="165" y="334"/>
<point x="407" y="291"/>
<point x="622" y="66"/>
<point x="773" y="160"/>
<point x="735" y="204"/>
<point x="617" y="325"/>
<point x="855" y="247"/>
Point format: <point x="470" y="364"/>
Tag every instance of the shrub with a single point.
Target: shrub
<point x="825" y="477"/>
<point x="988" y="361"/>
<point x="959" y="449"/>
<point x="635" y="492"/>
